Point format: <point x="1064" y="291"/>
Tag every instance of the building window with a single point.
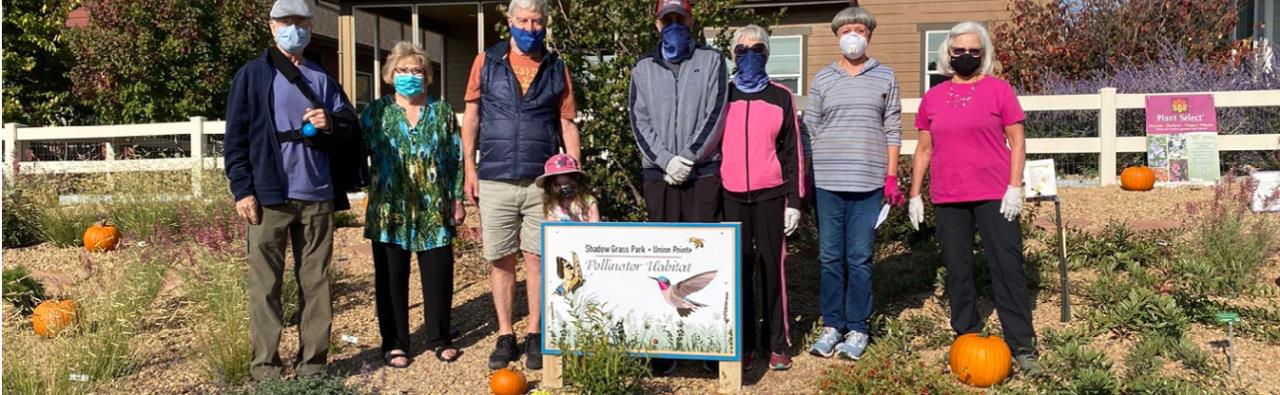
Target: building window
<point x="932" y="75"/>
<point x="786" y="61"/>
<point x="364" y="90"/>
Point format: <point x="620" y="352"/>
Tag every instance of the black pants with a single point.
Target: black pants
<point x="391" y="283"/>
<point x="763" y="243"/>
<point x="1002" y="244"/>
<point x="696" y="200"/>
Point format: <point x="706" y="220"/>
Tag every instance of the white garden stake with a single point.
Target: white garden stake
<point x="350" y="339"/>
<point x="80" y="378"/>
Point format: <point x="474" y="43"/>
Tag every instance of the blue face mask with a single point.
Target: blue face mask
<point x="675" y="41"/>
<point x="751" y="76"/>
<point x="528" y="40"/>
<point x="293" y="39"/>
<point x="408" y="85"/>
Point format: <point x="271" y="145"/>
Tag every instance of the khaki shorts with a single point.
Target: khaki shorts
<point x="508" y="208"/>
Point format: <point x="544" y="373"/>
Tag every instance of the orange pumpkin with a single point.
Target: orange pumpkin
<point x="507" y="382"/>
<point x="101" y="236"/>
<point x="51" y="316"/>
<point x="980" y="361"/>
<point x="1139" y="178"/>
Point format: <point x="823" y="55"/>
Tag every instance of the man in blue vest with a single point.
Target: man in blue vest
<point x="520" y="107"/>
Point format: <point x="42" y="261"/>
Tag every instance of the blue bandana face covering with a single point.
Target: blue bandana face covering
<point x="292" y="38"/>
<point x="675" y="41"/>
<point x="408" y="85"/>
<point x="528" y="40"/>
<point x="751" y="76"/>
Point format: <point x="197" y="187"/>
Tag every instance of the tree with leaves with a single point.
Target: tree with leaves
<point x="142" y="61"/>
<point x="1080" y="38"/>
<point x="37" y="91"/>
<point x="600" y="41"/>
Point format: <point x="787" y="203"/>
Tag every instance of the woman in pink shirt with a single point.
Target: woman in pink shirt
<point x="971" y="133"/>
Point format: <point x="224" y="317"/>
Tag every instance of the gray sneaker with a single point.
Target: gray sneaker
<point x="826" y="343"/>
<point x="1028" y="365"/>
<point x="854" y="344"/>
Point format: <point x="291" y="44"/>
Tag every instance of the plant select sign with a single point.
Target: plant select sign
<point x="1171" y="114"/>
<point x="668" y="290"/>
<point x="1182" y="139"/>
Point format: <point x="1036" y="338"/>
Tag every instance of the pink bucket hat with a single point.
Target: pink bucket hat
<point x="557" y="165"/>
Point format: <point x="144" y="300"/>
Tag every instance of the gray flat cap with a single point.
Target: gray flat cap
<point x="284" y="8"/>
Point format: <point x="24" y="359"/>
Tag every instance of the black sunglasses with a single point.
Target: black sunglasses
<point x="961" y="51"/>
<point x="759" y="48"/>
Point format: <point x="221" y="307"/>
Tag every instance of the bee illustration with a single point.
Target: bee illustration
<point x="697" y="242"/>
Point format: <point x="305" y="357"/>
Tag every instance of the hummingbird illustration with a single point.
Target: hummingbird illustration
<point x="571" y="273"/>
<point x="677" y="295"/>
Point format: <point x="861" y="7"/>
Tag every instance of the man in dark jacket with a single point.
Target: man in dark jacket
<point x="292" y="153"/>
<point x="520" y="108"/>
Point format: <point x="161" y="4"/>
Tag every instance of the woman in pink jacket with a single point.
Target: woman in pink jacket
<point x="761" y="171"/>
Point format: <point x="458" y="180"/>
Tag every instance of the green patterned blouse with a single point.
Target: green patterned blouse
<point x="415" y="172"/>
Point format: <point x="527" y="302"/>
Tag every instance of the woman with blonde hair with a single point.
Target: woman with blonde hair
<point x="415" y="200"/>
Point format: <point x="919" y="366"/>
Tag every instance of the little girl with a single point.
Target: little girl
<point x="566" y="194"/>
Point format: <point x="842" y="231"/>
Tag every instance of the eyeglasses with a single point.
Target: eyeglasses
<point x="759" y="48"/>
<point x="962" y="51"/>
<point x="411" y="70"/>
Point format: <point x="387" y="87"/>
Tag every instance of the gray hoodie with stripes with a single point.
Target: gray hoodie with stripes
<point x="678" y="109"/>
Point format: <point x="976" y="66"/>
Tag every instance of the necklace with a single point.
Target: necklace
<point x="958" y="100"/>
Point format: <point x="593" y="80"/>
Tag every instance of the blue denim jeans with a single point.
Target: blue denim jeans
<point x="846" y="238"/>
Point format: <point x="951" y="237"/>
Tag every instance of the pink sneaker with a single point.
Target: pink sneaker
<point x="779" y="361"/>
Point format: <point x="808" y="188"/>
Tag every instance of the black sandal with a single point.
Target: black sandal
<point x="392" y="355"/>
<point x="457" y="353"/>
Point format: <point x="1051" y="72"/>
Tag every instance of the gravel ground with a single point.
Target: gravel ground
<point x="170" y="366"/>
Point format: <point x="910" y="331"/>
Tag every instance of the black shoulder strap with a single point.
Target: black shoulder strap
<point x="291" y="73"/>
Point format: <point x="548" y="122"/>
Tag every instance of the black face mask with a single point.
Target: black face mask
<point x="965" y="65"/>
<point x="567" y="191"/>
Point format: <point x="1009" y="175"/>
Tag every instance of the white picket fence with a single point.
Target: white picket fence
<point x="1106" y="102"/>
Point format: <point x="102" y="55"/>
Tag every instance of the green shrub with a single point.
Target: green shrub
<point x="346" y="219"/>
<point x="64" y="226"/>
<point x="140" y="218"/>
<point x="883" y="370"/>
<point x="21" y="374"/>
<point x="1142" y="311"/>
<point x="600" y="364"/>
<point x="224" y="349"/>
<point x="21" y="219"/>
<point x="101" y="349"/>
<point x="1229" y="246"/>
<point x="23" y="291"/>
<point x="1116" y="247"/>
<point x="1071" y="366"/>
<point x="321" y="385"/>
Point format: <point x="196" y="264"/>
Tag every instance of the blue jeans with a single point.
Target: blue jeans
<point x="846" y="238"/>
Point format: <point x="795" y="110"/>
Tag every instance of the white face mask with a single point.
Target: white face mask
<point x="853" y="45"/>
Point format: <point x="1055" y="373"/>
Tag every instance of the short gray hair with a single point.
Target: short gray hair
<point x="852" y="15"/>
<point x="538" y="6"/>
<point x="751" y="31"/>
<point x="962" y="28"/>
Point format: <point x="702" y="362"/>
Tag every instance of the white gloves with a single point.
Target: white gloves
<point x="790" y="219"/>
<point x="915" y="211"/>
<point x="678" y="169"/>
<point x="1011" y="205"/>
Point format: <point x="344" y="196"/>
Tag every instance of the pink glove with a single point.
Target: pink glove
<point x="891" y="192"/>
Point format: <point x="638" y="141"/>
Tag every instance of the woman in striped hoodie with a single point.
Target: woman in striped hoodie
<point x="854" y="127"/>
